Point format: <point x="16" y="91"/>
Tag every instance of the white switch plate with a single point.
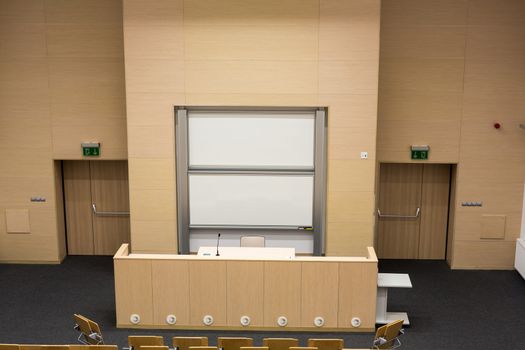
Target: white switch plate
<point x="364" y="155"/>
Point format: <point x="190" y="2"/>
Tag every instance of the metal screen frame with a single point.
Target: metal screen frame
<point x="183" y="171"/>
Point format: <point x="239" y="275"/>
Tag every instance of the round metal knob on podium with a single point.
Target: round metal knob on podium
<point x="171" y="319"/>
<point x="134" y="318"/>
<point x="282" y="321"/>
<point x="318" y="321"/>
<point x="245" y="321"/>
<point x="207" y="320"/>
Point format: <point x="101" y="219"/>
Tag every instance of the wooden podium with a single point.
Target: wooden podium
<point x="209" y="292"/>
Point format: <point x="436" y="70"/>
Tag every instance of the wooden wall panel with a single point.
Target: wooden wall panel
<point x="133" y="291"/>
<point x="62" y="83"/>
<point x="319" y="293"/>
<point x="282" y="288"/>
<point x="467" y="59"/>
<point x="357" y="294"/>
<point x="208" y="292"/>
<point x="245" y="299"/>
<point x="253" y="53"/>
<point x="171" y="293"/>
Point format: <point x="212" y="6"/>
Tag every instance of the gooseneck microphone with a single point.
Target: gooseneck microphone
<point x="218" y="239"/>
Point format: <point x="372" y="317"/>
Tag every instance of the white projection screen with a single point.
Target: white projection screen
<point x="258" y="139"/>
<point x="251" y="200"/>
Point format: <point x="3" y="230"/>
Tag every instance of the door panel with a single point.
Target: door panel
<point x="399" y="194"/>
<point x="434" y="211"/>
<point x="109" y="191"/>
<point x="77" y="194"/>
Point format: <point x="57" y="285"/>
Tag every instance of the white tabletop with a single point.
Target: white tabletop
<point x="394" y="280"/>
<point x="248" y="253"/>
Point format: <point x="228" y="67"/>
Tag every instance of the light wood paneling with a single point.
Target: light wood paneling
<point x="290" y="12"/>
<point x="250" y="53"/>
<point x="484" y="254"/>
<point x="399" y="194"/>
<point x="109" y="191"/>
<point x="162" y="236"/>
<point x="261" y="289"/>
<point x="17" y="221"/>
<point x="171" y="294"/>
<point x="493" y="226"/>
<point x="79" y="223"/>
<point x="245" y="299"/>
<point x="208" y="292"/>
<point x="357" y="294"/>
<point x="282" y="288"/>
<point x="319" y="298"/>
<point x="434" y="215"/>
<point x="133" y="291"/>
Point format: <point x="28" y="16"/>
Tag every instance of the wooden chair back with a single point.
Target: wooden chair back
<point x="389" y="333"/>
<point x="280" y="343"/>
<point x="136" y="342"/>
<point x="203" y="347"/>
<point x="253" y="241"/>
<point x="93" y="347"/>
<point x="303" y="348"/>
<point x="254" y="348"/>
<point x="91" y="333"/>
<point x="327" y="344"/>
<point x="233" y="343"/>
<point x="184" y="343"/>
<point x="9" y="347"/>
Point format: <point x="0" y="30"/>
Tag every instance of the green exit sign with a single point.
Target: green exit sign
<point x="420" y="155"/>
<point x="419" y="152"/>
<point x="91" y="149"/>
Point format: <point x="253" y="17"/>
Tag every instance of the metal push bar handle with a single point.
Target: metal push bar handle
<point x="418" y="210"/>
<point x="108" y="213"/>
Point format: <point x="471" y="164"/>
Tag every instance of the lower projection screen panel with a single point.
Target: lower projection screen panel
<point x="251" y="200"/>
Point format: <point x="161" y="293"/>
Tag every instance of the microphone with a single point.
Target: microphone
<point x="218" y="239"/>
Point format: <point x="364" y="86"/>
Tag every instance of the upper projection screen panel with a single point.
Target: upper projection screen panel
<point x="251" y="139"/>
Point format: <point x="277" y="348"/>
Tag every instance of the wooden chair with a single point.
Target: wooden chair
<point x="303" y="348"/>
<point x="387" y="336"/>
<point x="254" y="348"/>
<point x="184" y="343"/>
<point x="136" y="342"/>
<point x="154" y="347"/>
<point x="233" y="343"/>
<point x="280" y="343"/>
<point x="203" y="347"/>
<point x="253" y="241"/>
<point x="43" y="347"/>
<point x="327" y="344"/>
<point x="93" y="347"/>
<point x="9" y="347"/>
<point x="90" y="333"/>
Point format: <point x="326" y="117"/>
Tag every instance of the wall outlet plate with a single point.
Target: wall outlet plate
<point x="364" y="155"/>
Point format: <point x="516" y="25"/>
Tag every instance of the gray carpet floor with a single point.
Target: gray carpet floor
<point x="448" y="309"/>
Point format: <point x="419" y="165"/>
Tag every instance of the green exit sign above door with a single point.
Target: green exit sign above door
<point x="419" y="152"/>
<point x="91" y="149"/>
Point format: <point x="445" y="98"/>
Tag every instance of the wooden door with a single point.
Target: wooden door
<point x="399" y="198"/>
<point x="77" y="203"/>
<point x="105" y="184"/>
<point x="110" y="194"/>
<point x="413" y="207"/>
